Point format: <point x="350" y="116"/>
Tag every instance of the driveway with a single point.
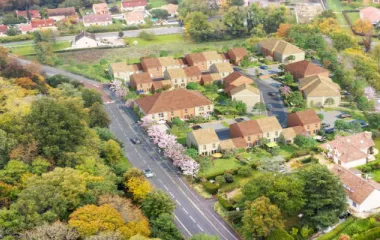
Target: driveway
<point x="222" y="131"/>
<point x="330" y="117"/>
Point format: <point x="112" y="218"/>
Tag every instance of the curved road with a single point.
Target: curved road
<point x="193" y="214"/>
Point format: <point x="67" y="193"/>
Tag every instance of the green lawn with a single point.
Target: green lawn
<point x="157" y="3"/>
<point x="287" y="150"/>
<point x="161" y="39"/>
<point x="353" y="16"/>
<point x="29" y="49"/>
<point x="221" y="165"/>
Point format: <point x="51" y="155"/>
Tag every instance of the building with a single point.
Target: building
<point x="362" y="194"/>
<point x="123" y="71"/>
<point x="29" y="14"/>
<point x="134" y="18"/>
<point x="371" y="14"/>
<point x="130" y="5"/>
<point x="304" y="68"/>
<point x="177" y="77"/>
<point x="97" y="20"/>
<point x="197" y="59"/>
<point x="320" y="91"/>
<point x="280" y="51"/>
<point x="213" y="57"/>
<point x="157" y="66"/>
<point x="253" y="131"/>
<point x="3" y="30"/>
<point x="307" y="119"/>
<point x="210" y="78"/>
<point x="100" y="8"/>
<point x="42" y="23"/>
<point x="235" y="79"/>
<point x="161" y="85"/>
<point x="193" y="74"/>
<point x="61" y="13"/>
<point x="171" y="8"/>
<point x="351" y="151"/>
<point x="246" y="93"/>
<point x="25" y="28"/>
<point x="233" y="143"/>
<point x="141" y="82"/>
<point x="181" y="103"/>
<point x="223" y="68"/>
<point x="204" y="140"/>
<point x="288" y="134"/>
<point x="85" y="40"/>
<point x="236" y="55"/>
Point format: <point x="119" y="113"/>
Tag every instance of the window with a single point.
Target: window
<point x="185" y="110"/>
<point x="158" y="69"/>
<point x="316" y="125"/>
<point x="204" y="147"/>
<point x="141" y="86"/>
<point x="276" y="140"/>
<point x="249" y="138"/>
<point x="152" y="116"/>
<point x="172" y="113"/>
<point x="201" y="108"/>
<point x="276" y="133"/>
<point x="308" y="126"/>
<point x="161" y="115"/>
<point x="175" y="81"/>
<point x="354" y="204"/>
<point x="209" y="107"/>
<point x="213" y="145"/>
<point x="267" y="135"/>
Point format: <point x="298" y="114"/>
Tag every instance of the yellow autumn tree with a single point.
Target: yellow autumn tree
<point x="133" y="228"/>
<point x="135" y="183"/>
<point x="362" y="26"/>
<point x="283" y="30"/>
<point x="328" y="26"/>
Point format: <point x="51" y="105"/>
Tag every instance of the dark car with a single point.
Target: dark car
<point x="362" y="123"/>
<point x="345" y="115"/>
<point x="239" y="119"/>
<point x="263" y="67"/>
<point x="344" y="215"/>
<point x="269" y="107"/>
<point x="196" y="127"/>
<point x="272" y="94"/>
<point x="135" y="140"/>
<point x="330" y="130"/>
<point x="325" y="125"/>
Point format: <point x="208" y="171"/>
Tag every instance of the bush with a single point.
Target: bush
<point x="220" y="180"/>
<point x="335" y="232"/>
<point x="245" y="171"/>
<point x="210" y="187"/>
<point x="235" y="216"/>
<point x="17" y="38"/>
<point x="228" y="177"/>
<point x="280" y="234"/>
<point x="372" y="234"/>
<point x="147" y="36"/>
<point x="225" y="203"/>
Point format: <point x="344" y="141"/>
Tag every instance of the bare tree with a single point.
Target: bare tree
<point x="54" y="231"/>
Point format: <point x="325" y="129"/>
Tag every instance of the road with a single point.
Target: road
<point x="129" y="33"/>
<point x="193" y="214"/>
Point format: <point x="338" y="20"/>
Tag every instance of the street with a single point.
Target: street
<point x="193" y="214"/>
<point x="129" y="33"/>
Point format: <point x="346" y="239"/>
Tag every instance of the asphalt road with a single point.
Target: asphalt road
<point x="129" y="33"/>
<point x="193" y="214"/>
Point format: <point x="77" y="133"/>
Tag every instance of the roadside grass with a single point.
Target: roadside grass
<point x="219" y="166"/>
<point x="29" y="49"/>
<point x="157" y="3"/>
<point x="161" y="39"/>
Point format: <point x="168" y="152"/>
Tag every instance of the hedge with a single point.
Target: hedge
<point x="210" y="187"/>
<point x="280" y="234"/>
<point x="335" y="232"/>
<point x="225" y="203"/>
<point x="371" y="234"/>
<point x="18" y="38"/>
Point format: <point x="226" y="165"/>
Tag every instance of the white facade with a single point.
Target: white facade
<point x="320" y="101"/>
<point x="106" y="23"/>
<point x="85" y="42"/>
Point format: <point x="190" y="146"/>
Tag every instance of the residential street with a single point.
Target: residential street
<point x="129" y="33"/>
<point x="193" y="214"/>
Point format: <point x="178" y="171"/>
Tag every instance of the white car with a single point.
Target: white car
<point x="148" y="173"/>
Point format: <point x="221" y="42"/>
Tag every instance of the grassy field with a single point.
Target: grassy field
<point x="162" y="39"/>
<point x="29" y="49"/>
<point x="221" y="165"/>
<point x="157" y="3"/>
<point x="353" y="16"/>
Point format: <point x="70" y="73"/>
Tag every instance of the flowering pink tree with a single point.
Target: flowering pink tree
<point x="370" y="92"/>
<point x="146" y="122"/>
<point x="118" y="88"/>
<point x="285" y="90"/>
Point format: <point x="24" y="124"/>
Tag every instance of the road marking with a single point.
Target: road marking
<point x="178" y="202"/>
<point x="185" y="211"/>
<point x="200" y="227"/>
<point x="166" y="187"/>
<point x="192" y="218"/>
<point x="171" y="194"/>
<point x="159" y="180"/>
<point x="183" y="225"/>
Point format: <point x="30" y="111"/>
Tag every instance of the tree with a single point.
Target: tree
<point x="3" y="57"/>
<point x="321" y="116"/>
<point x="197" y="27"/>
<point x="121" y="34"/>
<point x="187" y="7"/>
<point x="288" y="78"/>
<point x="362" y="26"/>
<point x="164" y="228"/>
<point x="375" y="53"/>
<point x="90" y="96"/>
<point x="192" y="86"/>
<point x="330" y="101"/>
<point x="280" y="234"/>
<point x="305" y="142"/>
<point x="326" y="198"/>
<point x="296" y="99"/>
<point x="203" y="236"/>
<point x="157" y="203"/>
<point x="342" y="41"/>
<point x="261" y="218"/>
<point x="13" y="172"/>
<point x="237" y="3"/>
<point x="364" y="104"/>
<point x="259" y="107"/>
<point x="56" y="230"/>
<point x="373" y="120"/>
<point x="327" y="14"/>
<point x="90" y="219"/>
<point x="136" y="184"/>
<point x="98" y="116"/>
<point x="43" y="45"/>
<point x="283" y="30"/>
<point x="160" y="13"/>
<point x="234" y="19"/>
<point x="112" y="152"/>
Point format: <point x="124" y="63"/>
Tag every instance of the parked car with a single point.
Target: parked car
<point x="362" y="123"/>
<point x="135" y="140"/>
<point x="196" y="127"/>
<point x="269" y="107"/>
<point x="320" y="138"/>
<point x="272" y="94"/>
<point x="148" y="173"/>
<point x="345" y="115"/>
<point x="263" y="67"/>
<point x="325" y="125"/>
<point x="330" y="130"/>
<point x="239" y="119"/>
<point x="345" y="215"/>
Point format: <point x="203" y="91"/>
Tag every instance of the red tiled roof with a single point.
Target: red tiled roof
<point x="32" y="13"/>
<point x="248" y="128"/>
<point x="134" y="3"/>
<point x="100" y="8"/>
<point x="97" y="18"/>
<point x="36" y="23"/>
<point x="305" y="68"/>
<point x="239" y="142"/>
<point x="139" y="78"/>
<point x="192" y="71"/>
<point x="237" y="53"/>
<point x="25" y="27"/>
<point x="70" y="11"/>
<point x="370" y="13"/>
<point x="3" y="28"/>
<point x="305" y="117"/>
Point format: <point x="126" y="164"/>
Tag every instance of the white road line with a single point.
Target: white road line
<point x="185" y="211"/>
<point x="192" y="218"/>
<point x="178" y="202"/>
<point x="183" y="225"/>
<point x="159" y="180"/>
<point x="166" y="187"/>
<point x="200" y="227"/>
<point x="171" y="194"/>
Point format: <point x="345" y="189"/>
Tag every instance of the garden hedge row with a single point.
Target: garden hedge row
<point x="335" y="232"/>
<point x="225" y="203"/>
<point x="18" y="38"/>
<point x="372" y="234"/>
<point x="210" y="187"/>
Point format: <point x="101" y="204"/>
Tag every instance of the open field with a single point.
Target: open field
<point x="29" y="49"/>
<point x="157" y="3"/>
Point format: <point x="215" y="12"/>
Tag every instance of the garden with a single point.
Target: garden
<point x="373" y="168"/>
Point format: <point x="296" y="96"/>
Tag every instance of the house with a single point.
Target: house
<point x="236" y="55"/>
<point x="233" y="143"/>
<point x="161" y="85"/>
<point x="223" y="68"/>
<point x="307" y="119"/>
<point x="280" y="50"/>
<point x="288" y="134"/>
<point x="351" y="151"/>
<point x="42" y="23"/>
<point x="177" y="76"/>
<point x="213" y="57"/>
<point x="253" y="131"/>
<point x="181" y="103"/>
<point x="235" y="79"/>
<point x="210" y="78"/>
<point x="134" y="18"/>
<point x="97" y="20"/>
<point x="157" y="66"/>
<point x="197" y="59"/>
<point x="85" y="40"/>
<point x="304" y="68"/>
<point x="3" y="30"/>
<point x="130" y="5"/>
<point x="204" y="140"/>
<point x="362" y="194"/>
<point x="193" y="74"/>
<point x="100" y="8"/>
<point x="25" y="28"/>
<point x="141" y="82"/>
<point x="123" y="71"/>
<point x="28" y="14"/>
<point x="246" y="93"/>
<point x="371" y="14"/>
<point x="60" y="13"/>
<point x="320" y="91"/>
<point x="171" y="8"/>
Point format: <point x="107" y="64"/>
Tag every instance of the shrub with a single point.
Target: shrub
<point x="335" y="232"/>
<point x="280" y="234"/>
<point x="220" y="180"/>
<point x="225" y="203"/>
<point x="372" y="234"/>
<point x="235" y="216"/>
<point x="17" y="38"/>
<point x="228" y="177"/>
<point x="147" y="36"/>
<point x="210" y="187"/>
<point x="245" y="171"/>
